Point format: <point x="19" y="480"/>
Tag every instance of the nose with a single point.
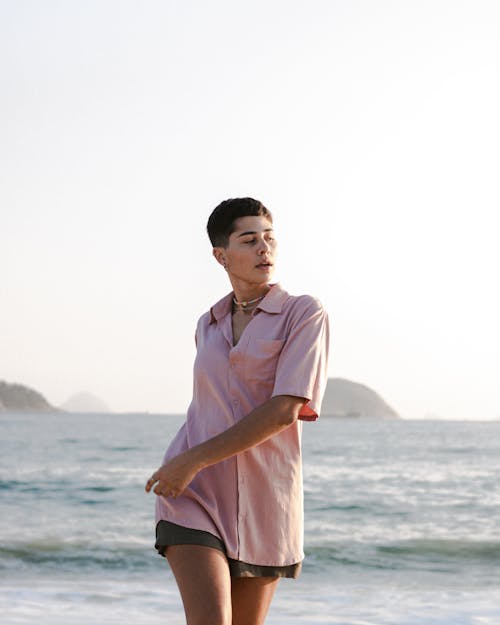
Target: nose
<point x="264" y="247"/>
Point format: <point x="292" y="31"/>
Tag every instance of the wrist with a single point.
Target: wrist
<point x="196" y="456"/>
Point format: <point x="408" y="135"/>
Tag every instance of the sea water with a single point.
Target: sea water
<point x="402" y="523"/>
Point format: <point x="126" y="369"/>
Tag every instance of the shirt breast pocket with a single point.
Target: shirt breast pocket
<point x="262" y="359"/>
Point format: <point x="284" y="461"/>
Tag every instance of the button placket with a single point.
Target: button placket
<point x="234" y="360"/>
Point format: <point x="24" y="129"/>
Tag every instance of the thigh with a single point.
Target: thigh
<point x="202" y="575"/>
<point x="251" y="598"/>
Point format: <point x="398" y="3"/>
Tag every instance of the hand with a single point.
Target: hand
<point x="172" y="478"/>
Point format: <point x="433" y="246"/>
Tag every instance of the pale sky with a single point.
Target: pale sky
<point x="370" y="130"/>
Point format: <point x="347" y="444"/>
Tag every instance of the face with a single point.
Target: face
<point x="250" y="254"/>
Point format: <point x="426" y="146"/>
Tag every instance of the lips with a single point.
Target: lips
<point x="264" y="265"/>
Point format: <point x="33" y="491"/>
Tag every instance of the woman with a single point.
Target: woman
<point x="229" y="506"/>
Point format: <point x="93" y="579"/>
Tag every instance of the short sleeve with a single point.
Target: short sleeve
<point x="197" y="330"/>
<point x="302" y="366"/>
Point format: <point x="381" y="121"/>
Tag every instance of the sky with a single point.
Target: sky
<point x="369" y="129"/>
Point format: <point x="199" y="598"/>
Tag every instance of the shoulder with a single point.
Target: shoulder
<point x="300" y="306"/>
<point x="205" y="319"/>
<point x="304" y="313"/>
<point x="202" y="325"/>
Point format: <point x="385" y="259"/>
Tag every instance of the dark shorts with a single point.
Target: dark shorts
<point x="171" y="534"/>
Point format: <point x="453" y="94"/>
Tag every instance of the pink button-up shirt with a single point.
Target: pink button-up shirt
<point x="252" y="501"/>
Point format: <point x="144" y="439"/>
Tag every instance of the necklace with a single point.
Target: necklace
<point x="243" y="305"/>
<point x="248" y="309"/>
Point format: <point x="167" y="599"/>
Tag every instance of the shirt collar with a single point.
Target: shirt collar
<point x="272" y="303"/>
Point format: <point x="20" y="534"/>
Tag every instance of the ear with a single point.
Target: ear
<point x="219" y="255"/>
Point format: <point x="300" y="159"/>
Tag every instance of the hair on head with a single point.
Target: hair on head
<point x="220" y="224"/>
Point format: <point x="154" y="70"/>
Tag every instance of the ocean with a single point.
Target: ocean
<point x="402" y="523"/>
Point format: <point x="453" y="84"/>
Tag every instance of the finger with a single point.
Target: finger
<point x="152" y="480"/>
<point x="159" y="490"/>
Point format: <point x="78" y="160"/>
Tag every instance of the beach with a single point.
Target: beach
<point x="402" y="523"/>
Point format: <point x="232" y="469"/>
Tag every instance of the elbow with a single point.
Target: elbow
<point x="286" y="419"/>
<point x="288" y="409"/>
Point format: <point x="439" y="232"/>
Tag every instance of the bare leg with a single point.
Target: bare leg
<point x="251" y="598"/>
<point x="202" y="575"/>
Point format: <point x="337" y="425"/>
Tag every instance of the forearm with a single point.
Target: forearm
<point x="269" y="419"/>
<point x="262" y="423"/>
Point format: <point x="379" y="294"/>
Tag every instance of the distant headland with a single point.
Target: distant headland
<point x="343" y="398"/>
<point x="20" y="398"/>
<point x="85" y="402"/>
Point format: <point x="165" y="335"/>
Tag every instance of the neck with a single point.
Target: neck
<point x="249" y="292"/>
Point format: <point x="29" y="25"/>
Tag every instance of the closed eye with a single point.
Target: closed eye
<point x="254" y="240"/>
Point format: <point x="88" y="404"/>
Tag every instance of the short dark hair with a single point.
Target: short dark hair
<point x="220" y="224"/>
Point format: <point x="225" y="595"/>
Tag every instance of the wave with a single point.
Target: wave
<point x="419" y="553"/>
<point x="445" y="548"/>
<point x="50" y="487"/>
<point x="70" y="555"/>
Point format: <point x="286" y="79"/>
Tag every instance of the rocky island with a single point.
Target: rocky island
<point x="344" y="398"/>
<point x="85" y="402"/>
<point x="19" y="398"/>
